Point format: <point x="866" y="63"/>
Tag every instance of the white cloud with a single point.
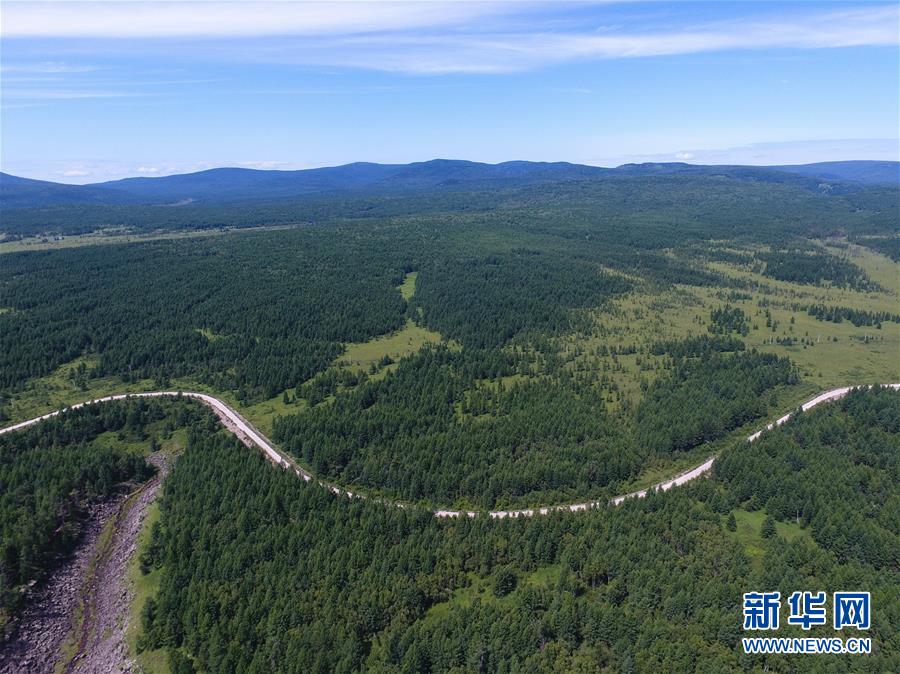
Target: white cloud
<point x="771" y="153"/>
<point x="46" y="67"/>
<point x="64" y="94"/>
<point x="85" y="171"/>
<point x="233" y="18"/>
<point x="263" y="165"/>
<point x="432" y="54"/>
<point x="431" y="37"/>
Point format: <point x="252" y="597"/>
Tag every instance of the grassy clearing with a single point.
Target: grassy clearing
<point x="116" y="236"/>
<point x="62" y="387"/>
<point x="366" y="356"/>
<point x="209" y="334"/>
<point x="785" y="291"/>
<point x="878" y="267"/>
<point x="840" y="353"/>
<point x="144" y="587"/>
<point x="404" y="342"/>
<point x="481" y="590"/>
<point x="262" y="414"/>
<point x="123" y="442"/>
<point x="408" y="287"/>
<point x="748" y="533"/>
<point x="396" y="345"/>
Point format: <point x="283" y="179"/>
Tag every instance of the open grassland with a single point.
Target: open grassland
<point x="116" y="236"/>
<point x="828" y="354"/>
<point x="878" y="267"/>
<point x="614" y="355"/>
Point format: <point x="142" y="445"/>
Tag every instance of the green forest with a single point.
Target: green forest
<point x="51" y="472"/>
<point x="480" y="350"/>
<point x="265" y="573"/>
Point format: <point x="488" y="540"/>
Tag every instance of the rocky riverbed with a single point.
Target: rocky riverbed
<point x="92" y="590"/>
<point x="42" y="627"/>
<point x="107" y="595"/>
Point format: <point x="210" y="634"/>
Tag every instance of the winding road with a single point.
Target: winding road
<point x="250" y="436"/>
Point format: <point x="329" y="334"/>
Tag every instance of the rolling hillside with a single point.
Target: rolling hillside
<point x="229" y="185"/>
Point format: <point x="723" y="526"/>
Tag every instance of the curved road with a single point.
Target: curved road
<point x="250" y="436"/>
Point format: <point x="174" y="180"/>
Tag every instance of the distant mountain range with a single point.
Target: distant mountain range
<point x="226" y="185"/>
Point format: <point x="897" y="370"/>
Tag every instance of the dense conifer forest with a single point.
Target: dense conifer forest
<point x="50" y="473"/>
<point x="264" y="573"/>
<point x="549" y="344"/>
<point x="533" y="441"/>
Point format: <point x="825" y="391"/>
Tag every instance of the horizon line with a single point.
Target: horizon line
<point x="243" y="167"/>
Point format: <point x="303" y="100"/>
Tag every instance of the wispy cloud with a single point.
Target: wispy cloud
<point x="126" y="19"/>
<point x="46" y="67"/>
<point x="434" y="37"/>
<point x="65" y="94"/>
<point x="498" y="53"/>
<point x="774" y="153"/>
<point x="582" y="91"/>
<point x="266" y="165"/>
<point x="100" y="170"/>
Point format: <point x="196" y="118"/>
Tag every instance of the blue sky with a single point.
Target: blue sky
<point x="93" y="91"/>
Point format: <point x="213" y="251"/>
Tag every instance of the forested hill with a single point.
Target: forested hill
<point x="229" y="185"/>
<point x="687" y="201"/>
<point x="263" y="573"/>
<point x="869" y="172"/>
